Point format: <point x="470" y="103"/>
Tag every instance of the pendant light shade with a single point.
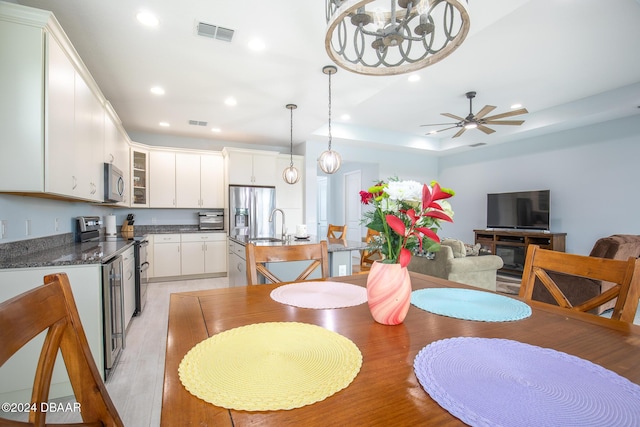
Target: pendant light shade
<point x="329" y="161"/>
<point x="290" y="174"/>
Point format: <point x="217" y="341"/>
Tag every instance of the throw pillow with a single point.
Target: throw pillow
<point x="457" y="246"/>
<point x="472" y="250"/>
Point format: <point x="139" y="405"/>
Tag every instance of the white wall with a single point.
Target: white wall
<point x="590" y="171"/>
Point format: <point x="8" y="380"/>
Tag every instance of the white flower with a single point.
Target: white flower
<point x="446" y="207"/>
<point x="408" y="191"/>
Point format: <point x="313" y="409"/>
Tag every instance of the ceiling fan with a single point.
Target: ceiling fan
<point x="479" y="120"/>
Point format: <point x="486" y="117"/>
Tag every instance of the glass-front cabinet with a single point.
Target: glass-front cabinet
<point x="139" y="177"/>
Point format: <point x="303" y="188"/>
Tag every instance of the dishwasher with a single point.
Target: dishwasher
<point x="113" y="312"/>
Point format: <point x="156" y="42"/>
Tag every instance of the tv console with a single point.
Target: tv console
<point x="511" y="245"/>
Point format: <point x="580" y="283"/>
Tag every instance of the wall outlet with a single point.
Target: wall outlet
<point x="56" y="224"/>
<point x="342" y="270"/>
<point x="27" y="227"/>
<point x="3" y="228"/>
<point x="154" y="221"/>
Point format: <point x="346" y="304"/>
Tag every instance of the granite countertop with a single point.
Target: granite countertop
<point x="333" y="245"/>
<point x="140" y="230"/>
<point x="69" y="254"/>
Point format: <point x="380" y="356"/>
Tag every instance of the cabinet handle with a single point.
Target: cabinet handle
<point x="74" y="182"/>
<point x="112" y="158"/>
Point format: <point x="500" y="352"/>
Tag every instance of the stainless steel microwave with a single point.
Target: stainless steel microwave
<point x="113" y="184"/>
<point x="212" y="220"/>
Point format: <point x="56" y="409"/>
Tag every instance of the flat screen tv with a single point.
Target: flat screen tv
<point x="519" y="210"/>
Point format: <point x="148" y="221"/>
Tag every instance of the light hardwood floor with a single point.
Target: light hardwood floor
<point x="136" y="383"/>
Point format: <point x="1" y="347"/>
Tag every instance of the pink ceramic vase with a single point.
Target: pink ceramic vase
<point x="388" y="293"/>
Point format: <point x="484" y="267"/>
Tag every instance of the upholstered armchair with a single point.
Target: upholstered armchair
<point x="452" y="263"/>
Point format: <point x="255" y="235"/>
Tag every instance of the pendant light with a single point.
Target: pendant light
<point x="329" y="161"/>
<point x="290" y="174"/>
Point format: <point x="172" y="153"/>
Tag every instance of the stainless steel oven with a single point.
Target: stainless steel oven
<point x="113" y="312"/>
<point x="211" y="220"/>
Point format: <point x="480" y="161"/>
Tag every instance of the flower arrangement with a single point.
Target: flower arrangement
<point x="407" y="214"/>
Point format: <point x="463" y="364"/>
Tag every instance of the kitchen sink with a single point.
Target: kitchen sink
<point x="265" y="239"/>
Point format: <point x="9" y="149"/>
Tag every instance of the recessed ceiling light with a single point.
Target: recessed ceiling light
<point x="414" y="78"/>
<point x="345" y="117"/>
<point x="231" y="101"/>
<point x="164" y="124"/>
<point x="514" y="106"/>
<point x="157" y="90"/>
<point x="217" y="130"/>
<point x="257" y="45"/>
<point x="147" y="19"/>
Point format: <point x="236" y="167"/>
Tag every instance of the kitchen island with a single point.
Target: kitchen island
<point x="340" y="262"/>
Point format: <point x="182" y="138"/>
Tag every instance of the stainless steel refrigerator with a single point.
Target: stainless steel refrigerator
<point x="249" y="210"/>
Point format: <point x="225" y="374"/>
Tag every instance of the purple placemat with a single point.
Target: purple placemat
<point x="469" y="304"/>
<point x="499" y="382"/>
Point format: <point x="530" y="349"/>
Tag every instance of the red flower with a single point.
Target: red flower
<point x="365" y="197"/>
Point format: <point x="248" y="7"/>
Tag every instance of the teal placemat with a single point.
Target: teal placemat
<point x="468" y="304"/>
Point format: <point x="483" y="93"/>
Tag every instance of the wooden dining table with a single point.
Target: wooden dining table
<point x="386" y="391"/>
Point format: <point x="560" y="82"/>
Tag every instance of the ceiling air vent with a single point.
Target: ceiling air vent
<point x="214" y="32"/>
<point x="197" y="123"/>
<point x="479" y="144"/>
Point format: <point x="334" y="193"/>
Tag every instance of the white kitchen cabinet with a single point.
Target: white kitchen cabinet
<point x="139" y="177"/>
<point x="187" y="180"/>
<point x="52" y="110"/>
<point x="116" y="148"/>
<point x="16" y="375"/>
<point x="162" y="179"/>
<point x="289" y="197"/>
<point x="88" y="143"/>
<point x="204" y="253"/>
<point x="237" y="270"/>
<point x="129" y="285"/>
<point x="250" y="167"/>
<point x="166" y="255"/>
<point x="212" y="181"/>
<point x="199" y="180"/>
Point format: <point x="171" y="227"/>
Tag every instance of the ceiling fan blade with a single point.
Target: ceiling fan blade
<point x="433" y="132"/>
<point x="485" y="110"/>
<point x="453" y="116"/>
<point x="439" y="124"/>
<point x="504" y="122"/>
<point x="485" y="129"/>
<point x="507" y="114"/>
<point x="460" y="132"/>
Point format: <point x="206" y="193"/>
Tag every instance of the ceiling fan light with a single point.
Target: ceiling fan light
<point x="329" y="161"/>
<point x="471" y="125"/>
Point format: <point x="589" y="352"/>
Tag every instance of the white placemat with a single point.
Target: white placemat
<point x="320" y="294"/>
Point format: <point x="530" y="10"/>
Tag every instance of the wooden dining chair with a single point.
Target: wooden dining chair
<point x="367" y="256"/>
<point x="337" y="231"/>
<point x="257" y="256"/>
<point x="624" y="275"/>
<point x="51" y="307"/>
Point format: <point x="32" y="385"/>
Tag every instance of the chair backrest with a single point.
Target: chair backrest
<point x="367" y="257"/>
<point x="257" y="256"/>
<point x="51" y="307"/>
<point x="337" y="231"/>
<point x="624" y="274"/>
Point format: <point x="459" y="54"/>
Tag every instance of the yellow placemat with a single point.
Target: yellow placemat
<point x="270" y="366"/>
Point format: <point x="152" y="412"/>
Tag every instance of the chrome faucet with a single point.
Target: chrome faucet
<point x="283" y="227"/>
